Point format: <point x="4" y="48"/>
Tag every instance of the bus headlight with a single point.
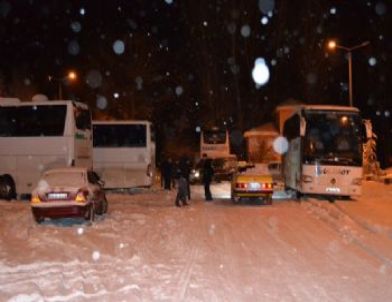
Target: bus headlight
<point x="357" y="181"/>
<point x="149" y="170"/>
<point x="307" y="178"/>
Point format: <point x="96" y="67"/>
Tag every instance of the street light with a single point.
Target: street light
<point x="333" y="45"/>
<point x="70" y="77"/>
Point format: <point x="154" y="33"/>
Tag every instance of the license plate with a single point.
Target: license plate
<point x="332" y="190"/>
<point x="56" y="196"/>
<point x="254" y="186"/>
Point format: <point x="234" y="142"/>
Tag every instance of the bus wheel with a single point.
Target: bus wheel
<point x="7" y="187"/>
<point x="90" y="213"/>
<point x="105" y="206"/>
<point x="297" y="195"/>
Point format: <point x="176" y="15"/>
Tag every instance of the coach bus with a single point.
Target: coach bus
<point x="325" y="150"/>
<point x="214" y="142"/>
<point x="36" y="136"/>
<point x="124" y="153"/>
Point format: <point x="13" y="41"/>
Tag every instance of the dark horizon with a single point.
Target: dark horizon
<point x="184" y="64"/>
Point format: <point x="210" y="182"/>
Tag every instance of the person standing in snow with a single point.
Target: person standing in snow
<point x="166" y="171"/>
<point x="185" y="170"/>
<point x="208" y="172"/>
<point x="182" y="191"/>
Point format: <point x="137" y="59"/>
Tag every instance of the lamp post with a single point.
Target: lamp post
<point x="333" y="45"/>
<point x="71" y="76"/>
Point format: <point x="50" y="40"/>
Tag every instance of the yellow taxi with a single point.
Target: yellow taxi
<point x="252" y="182"/>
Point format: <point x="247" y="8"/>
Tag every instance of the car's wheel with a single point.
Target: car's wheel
<point x="235" y="199"/>
<point x="7" y="187"/>
<point x="38" y="219"/>
<point x="268" y="200"/>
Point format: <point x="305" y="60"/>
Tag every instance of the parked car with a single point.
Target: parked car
<point x="224" y="168"/>
<point x="252" y="183"/>
<point x="68" y="192"/>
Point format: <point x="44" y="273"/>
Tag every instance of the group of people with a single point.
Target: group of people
<point x="180" y="174"/>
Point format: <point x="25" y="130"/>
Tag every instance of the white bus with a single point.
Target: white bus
<point x="325" y="150"/>
<point x="124" y="153"/>
<point x="36" y="136"/>
<point x="214" y="142"/>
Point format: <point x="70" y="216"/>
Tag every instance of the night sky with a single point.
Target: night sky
<point x="184" y="63"/>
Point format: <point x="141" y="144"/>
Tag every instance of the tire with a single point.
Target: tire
<point x="103" y="208"/>
<point x="235" y="199"/>
<point x="268" y="200"/>
<point x="38" y="219"/>
<point x="297" y="195"/>
<point x="7" y="187"/>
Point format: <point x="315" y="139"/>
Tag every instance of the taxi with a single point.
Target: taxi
<point x="252" y="182"/>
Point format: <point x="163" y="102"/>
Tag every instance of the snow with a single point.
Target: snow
<point x="146" y="249"/>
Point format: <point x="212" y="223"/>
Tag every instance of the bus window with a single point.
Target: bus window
<point x="119" y="135"/>
<point x="291" y="128"/>
<point x="30" y="121"/>
<point x="82" y="118"/>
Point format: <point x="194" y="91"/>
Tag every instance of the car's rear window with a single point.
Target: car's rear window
<point x="66" y="179"/>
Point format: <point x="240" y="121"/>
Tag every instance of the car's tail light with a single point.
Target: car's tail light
<point x="267" y="186"/>
<point x="35" y="199"/>
<point x="240" y="185"/>
<point x="81" y="196"/>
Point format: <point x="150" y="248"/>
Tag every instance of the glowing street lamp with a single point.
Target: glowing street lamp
<point x="70" y="77"/>
<point x="332" y="45"/>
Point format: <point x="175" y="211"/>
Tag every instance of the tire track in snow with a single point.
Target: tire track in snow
<point x="349" y="227"/>
<point x="186" y="273"/>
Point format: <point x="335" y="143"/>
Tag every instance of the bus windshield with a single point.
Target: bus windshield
<point x="132" y="135"/>
<point x="34" y="120"/>
<point x="333" y="138"/>
<point x="214" y="136"/>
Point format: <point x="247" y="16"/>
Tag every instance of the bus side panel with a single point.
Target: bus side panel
<point x="292" y="164"/>
<point x="83" y="149"/>
<point x="26" y="167"/>
<point x="123" y="167"/>
<point x="332" y="180"/>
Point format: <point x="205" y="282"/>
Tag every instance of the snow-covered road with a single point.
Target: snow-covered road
<point x="145" y="249"/>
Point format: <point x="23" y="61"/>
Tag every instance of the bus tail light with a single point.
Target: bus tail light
<point x="267" y="186"/>
<point x="240" y="185"/>
<point x="307" y="178"/>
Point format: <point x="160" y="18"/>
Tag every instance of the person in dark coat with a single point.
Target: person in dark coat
<point x="166" y="170"/>
<point x="184" y="166"/>
<point x="182" y="191"/>
<point x="208" y="173"/>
